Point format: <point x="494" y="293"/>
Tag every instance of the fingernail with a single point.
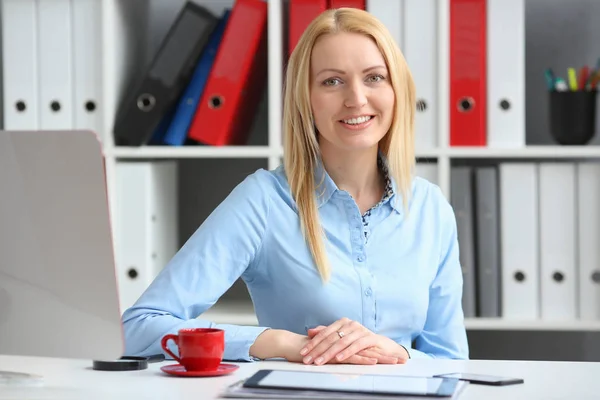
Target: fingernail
<point x="340" y="356"/>
<point x="307" y="359"/>
<point x="303" y="351"/>
<point x="319" y="360"/>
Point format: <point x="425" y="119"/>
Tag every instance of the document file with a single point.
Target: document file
<point x="87" y="65"/>
<point x="146" y="224"/>
<point x="420" y="49"/>
<point x="468" y="67"/>
<point x="19" y="64"/>
<point x="506" y="73"/>
<point x="557" y="241"/>
<point x="519" y="237"/>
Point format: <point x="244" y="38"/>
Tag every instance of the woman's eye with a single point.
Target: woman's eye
<point x="331" y="82"/>
<point x="375" y="78"/>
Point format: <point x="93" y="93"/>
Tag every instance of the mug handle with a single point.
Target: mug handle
<point x="163" y="344"/>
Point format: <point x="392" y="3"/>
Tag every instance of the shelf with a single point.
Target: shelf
<point x="528" y="325"/>
<point x="554" y="152"/>
<point x="427" y="153"/>
<point x="145" y="152"/>
<point x="529" y="152"/>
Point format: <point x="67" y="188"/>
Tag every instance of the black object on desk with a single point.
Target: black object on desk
<point x="480" y="379"/>
<point x="127" y="363"/>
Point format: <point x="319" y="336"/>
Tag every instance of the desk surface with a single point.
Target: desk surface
<point x="75" y="379"/>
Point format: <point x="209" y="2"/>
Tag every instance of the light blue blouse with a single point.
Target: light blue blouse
<point x="396" y="273"/>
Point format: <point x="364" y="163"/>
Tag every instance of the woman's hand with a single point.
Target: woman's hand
<point x="346" y="338"/>
<point x="289" y="345"/>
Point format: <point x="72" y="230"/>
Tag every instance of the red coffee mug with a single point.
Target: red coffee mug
<point x="200" y="349"/>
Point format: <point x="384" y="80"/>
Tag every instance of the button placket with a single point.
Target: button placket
<point x="356" y="229"/>
<point x="369" y="312"/>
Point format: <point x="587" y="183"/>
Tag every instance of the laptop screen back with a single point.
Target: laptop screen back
<point x="58" y="289"/>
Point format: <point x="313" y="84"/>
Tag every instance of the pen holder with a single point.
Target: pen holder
<point x="573" y="116"/>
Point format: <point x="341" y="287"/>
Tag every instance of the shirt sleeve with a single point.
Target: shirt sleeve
<point x="444" y="334"/>
<point x="213" y="258"/>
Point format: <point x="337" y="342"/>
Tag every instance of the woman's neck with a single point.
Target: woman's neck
<point x="357" y="173"/>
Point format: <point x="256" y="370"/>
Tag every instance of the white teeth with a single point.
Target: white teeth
<point x="356" y="121"/>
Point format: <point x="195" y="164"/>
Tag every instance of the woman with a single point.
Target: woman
<point x="347" y="258"/>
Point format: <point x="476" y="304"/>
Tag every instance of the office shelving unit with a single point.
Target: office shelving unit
<point x="116" y="67"/>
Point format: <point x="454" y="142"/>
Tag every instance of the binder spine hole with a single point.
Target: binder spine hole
<point x="558" y="276"/>
<point x="421" y="105"/>
<point x="519" y="276"/>
<point x="504" y="104"/>
<point x="90" y="105"/>
<point x="466" y="104"/>
<point x="55" y="106"/>
<point x="215" y="102"/>
<point x="596" y="277"/>
<point x="146" y="102"/>
<point x="132" y="273"/>
<point x="20" y="106"/>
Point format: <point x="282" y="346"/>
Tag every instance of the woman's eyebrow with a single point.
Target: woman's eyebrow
<point x="341" y="72"/>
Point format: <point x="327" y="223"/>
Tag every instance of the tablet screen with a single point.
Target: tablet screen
<point x="357" y="383"/>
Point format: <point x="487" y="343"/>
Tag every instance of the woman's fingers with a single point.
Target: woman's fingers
<point x="336" y="343"/>
<point x="326" y="333"/>
<point x="313" y="331"/>
<point x="357" y="359"/>
<point x="381" y="358"/>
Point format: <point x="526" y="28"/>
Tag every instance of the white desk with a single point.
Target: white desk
<point x="75" y="379"/>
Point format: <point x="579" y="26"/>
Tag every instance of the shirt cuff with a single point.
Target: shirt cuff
<point x="238" y="342"/>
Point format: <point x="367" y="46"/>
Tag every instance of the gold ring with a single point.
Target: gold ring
<point x="340" y="334"/>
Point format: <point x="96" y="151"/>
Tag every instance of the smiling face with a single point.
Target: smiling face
<point x="351" y="97"/>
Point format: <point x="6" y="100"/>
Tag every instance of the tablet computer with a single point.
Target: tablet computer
<point x="352" y="383"/>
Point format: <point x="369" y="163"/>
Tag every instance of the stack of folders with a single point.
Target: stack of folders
<point x="528" y="235"/>
<point x="487" y="73"/>
<point x="204" y="83"/>
<point x="52" y="65"/>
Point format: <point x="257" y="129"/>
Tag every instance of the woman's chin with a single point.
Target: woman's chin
<point x="358" y="143"/>
<point x="351" y="141"/>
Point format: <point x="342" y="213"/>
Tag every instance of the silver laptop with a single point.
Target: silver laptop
<point x="58" y="288"/>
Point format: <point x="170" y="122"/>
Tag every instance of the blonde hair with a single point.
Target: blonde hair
<point x="301" y="148"/>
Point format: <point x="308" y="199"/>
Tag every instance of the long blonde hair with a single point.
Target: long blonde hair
<point x="301" y="148"/>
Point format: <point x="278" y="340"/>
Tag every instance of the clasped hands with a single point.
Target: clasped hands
<point x="346" y="341"/>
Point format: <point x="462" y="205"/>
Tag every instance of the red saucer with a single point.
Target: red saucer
<point x="179" y="370"/>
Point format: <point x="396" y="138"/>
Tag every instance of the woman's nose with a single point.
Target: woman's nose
<point x="355" y="96"/>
